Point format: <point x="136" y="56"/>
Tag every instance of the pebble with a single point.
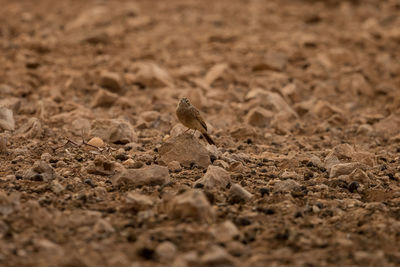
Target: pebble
<point x="238" y="194"/>
<point x="7" y="119"/>
<point x="96" y="141"/>
<point x="215" y="177"/>
<point x="149" y="175"/>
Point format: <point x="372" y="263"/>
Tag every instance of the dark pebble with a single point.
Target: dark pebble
<point x="353" y="186"/>
<point x="264" y="191"/>
<point x="89" y="182"/>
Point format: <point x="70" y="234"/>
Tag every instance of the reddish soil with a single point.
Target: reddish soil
<point x="302" y="98"/>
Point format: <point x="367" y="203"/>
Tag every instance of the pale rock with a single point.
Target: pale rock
<point x="45" y="157"/>
<point x="365" y="129"/>
<point x="221" y="163"/>
<point x="215" y="72"/>
<point x="96" y="141"/>
<point x="101" y="166"/>
<point x="56" y="187"/>
<point x="215" y="177"/>
<point x="274" y="61"/>
<point x="111" y="81"/>
<point x="40" y="171"/>
<point x="103" y="226"/>
<point x="286" y="185"/>
<point x="191" y="204"/>
<point x="331" y="160"/>
<point x="151" y="75"/>
<point x="51" y="248"/>
<point x="316" y="161"/>
<point x="259" y="117"/>
<point x="359" y="176"/>
<point x="238" y="194"/>
<point x="149" y="175"/>
<point x="217" y="256"/>
<point x="129" y="163"/>
<point x="289" y="175"/>
<point x="345" y="168"/>
<point x="104" y="98"/>
<point x="31" y="129"/>
<point x="174" y="166"/>
<point x="7" y="119"/>
<point x="237" y="166"/>
<point x="225" y="232"/>
<point x="113" y="131"/>
<point x="185" y="149"/>
<point x="324" y="109"/>
<point x="135" y="201"/>
<point x="165" y="251"/>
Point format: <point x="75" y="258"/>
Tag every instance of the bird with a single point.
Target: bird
<point x="190" y="117"/>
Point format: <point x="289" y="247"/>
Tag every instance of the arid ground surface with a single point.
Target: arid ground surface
<point x="301" y="97"/>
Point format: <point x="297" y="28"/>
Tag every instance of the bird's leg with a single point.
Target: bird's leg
<point x="186" y="130"/>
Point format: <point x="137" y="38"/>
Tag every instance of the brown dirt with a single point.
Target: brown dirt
<point x="324" y="77"/>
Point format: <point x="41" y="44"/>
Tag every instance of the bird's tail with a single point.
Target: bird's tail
<point x="208" y="138"/>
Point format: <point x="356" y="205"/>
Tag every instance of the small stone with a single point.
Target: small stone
<point x="274" y="61"/>
<point x="345" y="168"/>
<point x="129" y="163"/>
<point x="40" y="171"/>
<point x="61" y="164"/>
<point x="104" y="98"/>
<point x="149" y="175"/>
<point x="174" y="166"/>
<point x="45" y="157"/>
<point x="114" y="131"/>
<point x="96" y="141"/>
<point x="31" y="129"/>
<point x="137" y="202"/>
<point x="6" y="119"/>
<point x="56" y="187"/>
<point x="101" y="166"/>
<point x="151" y="75"/>
<point x="286" y="185"/>
<point x="165" y="251"/>
<point x="111" y="81"/>
<point x="103" y="226"/>
<point x="185" y="149"/>
<point x="191" y="204"/>
<point x="225" y="232"/>
<point x="259" y="117"/>
<point x="238" y="194"/>
<point x="315" y="161"/>
<point x="215" y="177"/>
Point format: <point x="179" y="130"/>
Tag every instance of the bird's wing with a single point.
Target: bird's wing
<point x="199" y="118"/>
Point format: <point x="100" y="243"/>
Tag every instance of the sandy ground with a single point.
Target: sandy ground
<point x="301" y="97"/>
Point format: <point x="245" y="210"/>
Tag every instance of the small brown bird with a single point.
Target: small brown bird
<point x="190" y="117"/>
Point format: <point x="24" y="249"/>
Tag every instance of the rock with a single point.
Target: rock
<point x="31" y="129"/>
<point x="165" y="251"/>
<point x="56" y="187"/>
<point x="345" y="168"/>
<point x="96" y="141"/>
<point x="129" y="163"/>
<point x="286" y="185"/>
<point x="104" y="99"/>
<point x="324" y="109"/>
<point x="274" y="61"/>
<point x="259" y="117"/>
<point x="217" y="256"/>
<point x="238" y="194"/>
<point x="185" y="149"/>
<point x="331" y="160"/>
<point x="315" y="161"/>
<point x="103" y="226"/>
<point x="225" y="232"/>
<point x="289" y="175"/>
<point x="101" y="166"/>
<point x="191" y="204"/>
<point x="215" y="72"/>
<point x="137" y="202"/>
<point x="113" y="131"/>
<point x="12" y="103"/>
<point x="40" y="171"/>
<point x="149" y="175"/>
<point x="215" y="177"/>
<point x="111" y="81"/>
<point x="152" y="76"/>
<point x="174" y="166"/>
<point x="6" y="119"/>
